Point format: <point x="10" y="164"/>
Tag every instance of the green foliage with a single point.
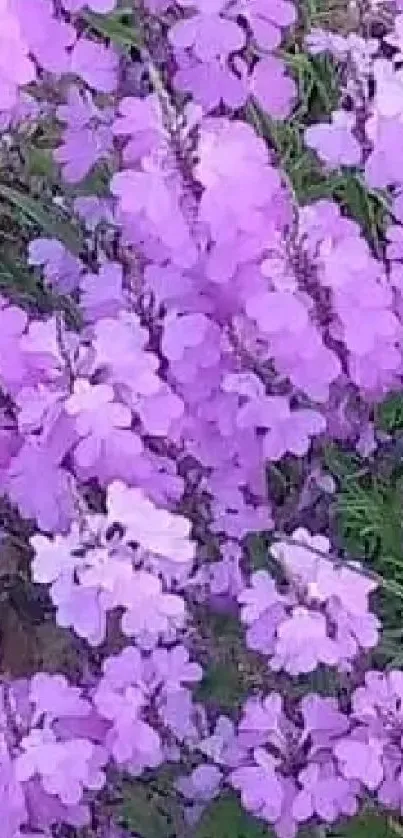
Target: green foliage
<point x="368" y="825"/>
<point x="40" y="163"/>
<point x="230" y="670"/>
<point x="368" y="207"/>
<point x="47" y="218"/>
<point x="114" y="28"/>
<point x="224" y="626"/>
<point x="368" y="519"/>
<point x="389" y="415"/>
<point x="222" y="685"/>
<point x="318" y="82"/>
<point x="258" y="552"/>
<point x="22" y="286"/>
<point x="368" y="510"/>
<point x="151" y="809"/>
<point x="141" y="814"/>
<point x="344" y="465"/>
<point x="225" y="818"/>
<point x="15" y="278"/>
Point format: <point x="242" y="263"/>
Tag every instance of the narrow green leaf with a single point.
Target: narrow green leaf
<point x="363" y="205"/>
<point x="20" y="283"/>
<point x="390" y="413"/>
<point x="40" y="163"/>
<point x="225" y="818"/>
<point x="396" y="827"/>
<point x="15" y="278"/>
<point x="222" y="685"/>
<point x="368" y="825"/>
<point x="47" y="218"/>
<point x="151" y="807"/>
<point x="112" y="28"/>
<point x="141" y="814"/>
<point x="258" y="551"/>
<point x="345" y="466"/>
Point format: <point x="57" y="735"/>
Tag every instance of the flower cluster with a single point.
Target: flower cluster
<point x="56" y="739"/>
<point x="210" y="46"/>
<point x="317" y="762"/>
<point x="52" y="756"/>
<point x="116" y="562"/>
<point x="322" y="615"/>
<point x="271" y="741"/>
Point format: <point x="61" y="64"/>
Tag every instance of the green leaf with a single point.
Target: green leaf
<point x="396" y="827"/>
<point x="18" y="282"/>
<point x="96" y="182"/>
<point x="258" y="552"/>
<point x="14" y="278"/>
<point x="370" y="521"/>
<point x="364" y="205"/>
<point x="222" y="685"/>
<point x="142" y="812"/>
<point x="368" y="825"/>
<point x="47" y="218"/>
<point x="389" y="415"/>
<point x="112" y="27"/>
<point x="367" y="513"/>
<point x="225" y="818"/>
<point x="342" y="464"/>
<point x="40" y="163"/>
<point x="225" y="626"/>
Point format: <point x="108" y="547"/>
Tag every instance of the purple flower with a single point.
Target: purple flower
<point x="95" y="64"/>
<point x="335" y="142"/>
<point x="141" y="120"/>
<point x="81" y="150"/>
<point x="174" y="667"/>
<point x="99" y="6"/>
<point x="65" y="768"/>
<point x="16" y="68"/>
<point x="324" y="793"/>
<point x="14" y="322"/>
<point x="382" y="168"/>
<point x="97" y="419"/>
<point x="80" y="608"/>
<point x="203" y="784"/>
<point x="273" y="89"/>
<point x="151" y="613"/>
<point x="322" y="618"/>
<point x="102" y="293"/>
<point x="210" y="36"/>
<point x="54" y="557"/>
<point x="211" y="84"/>
<point x="260" y="787"/>
<point x="51" y="505"/>
<point x="53" y="694"/>
<point x="154" y="529"/>
<point x="119" y="348"/>
<point x="62" y="270"/>
<point x="261" y="595"/>
<point x="360" y="759"/>
<point x="48" y="38"/>
<point x="93" y="210"/>
<point x="303" y="643"/>
<point x="266" y="19"/>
